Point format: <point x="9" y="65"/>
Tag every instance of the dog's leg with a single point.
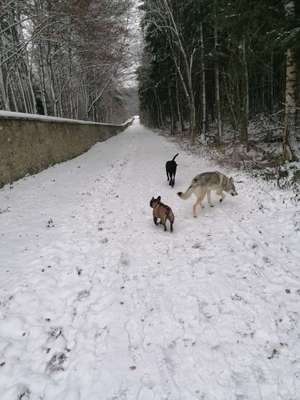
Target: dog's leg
<point x="198" y="202"/>
<point x="201" y="198"/>
<point x="194" y="209"/>
<point x="209" y="198"/>
<point x="168" y="175"/>
<point x="221" y="193"/>
<point x="163" y="222"/>
<point x="172" y="180"/>
<point x="155" y="220"/>
<point x="171" y="223"/>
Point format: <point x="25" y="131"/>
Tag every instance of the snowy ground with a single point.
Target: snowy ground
<point x="98" y="303"/>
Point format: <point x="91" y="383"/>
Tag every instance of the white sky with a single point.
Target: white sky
<point x="135" y="47"/>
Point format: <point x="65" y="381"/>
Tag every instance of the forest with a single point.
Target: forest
<point x="210" y="67"/>
<point x="64" y="58"/>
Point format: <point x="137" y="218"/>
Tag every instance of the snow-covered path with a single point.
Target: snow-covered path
<point x="98" y="303"/>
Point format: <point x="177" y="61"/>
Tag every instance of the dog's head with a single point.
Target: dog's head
<point x="154" y="202"/>
<point x="230" y="188"/>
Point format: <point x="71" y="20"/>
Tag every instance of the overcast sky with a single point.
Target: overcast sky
<point x="135" y="44"/>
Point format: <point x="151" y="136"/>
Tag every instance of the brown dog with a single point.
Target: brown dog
<point x="162" y="212"/>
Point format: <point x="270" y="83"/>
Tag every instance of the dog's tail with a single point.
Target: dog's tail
<point x="187" y="193"/>
<point x="173" y="159"/>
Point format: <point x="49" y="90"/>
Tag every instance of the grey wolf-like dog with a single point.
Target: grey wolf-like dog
<point x="203" y="184"/>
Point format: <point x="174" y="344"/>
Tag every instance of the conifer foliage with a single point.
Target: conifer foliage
<point x="207" y="64"/>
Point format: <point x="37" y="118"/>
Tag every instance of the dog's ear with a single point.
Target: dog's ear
<point x="158" y="199"/>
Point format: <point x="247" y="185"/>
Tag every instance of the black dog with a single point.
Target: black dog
<point x="171" y="170"/>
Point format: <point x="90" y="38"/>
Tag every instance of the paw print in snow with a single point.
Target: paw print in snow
<point x="24" y="393"/>
<point x="83" y="294"/>
<point x="55" y="332"/>
<point x="50" y="223"/>
<point x="56" y="363"/>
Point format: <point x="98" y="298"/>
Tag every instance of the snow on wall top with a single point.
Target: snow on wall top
<point x="37" y="117"/>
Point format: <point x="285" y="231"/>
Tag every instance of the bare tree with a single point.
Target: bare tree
<point x="61" y="57"/>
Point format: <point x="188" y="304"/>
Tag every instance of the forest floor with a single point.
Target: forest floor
<point x="98" y="303"/>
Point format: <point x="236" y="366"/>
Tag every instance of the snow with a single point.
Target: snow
<point x="96" y="302"/>
<point x="37" y="117"/>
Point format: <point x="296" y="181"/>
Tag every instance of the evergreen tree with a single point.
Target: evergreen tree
<point x="228" y="60"/>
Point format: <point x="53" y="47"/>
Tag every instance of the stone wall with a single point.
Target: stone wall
<point x="31" y="143"/>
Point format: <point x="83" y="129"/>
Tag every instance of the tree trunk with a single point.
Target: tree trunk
<point x="171" y="110"/>
<point x="51" y="84"/>
<point x="193" y="125"/>
<point x="178" y="103"/>
<point x="217" y="77"/>
<point x="33" y="99"/>
<point x="159" y="111"/>
<point x="16" y="108"/>
<point x="203" y="83"/>
<point x="42" y="81"/>
<point x="245" y="96"/>
<point x="22" y="91"/>
<point x="271" y="84"/>
<point x="291" y="150"/>
<point x="4" y="94"/>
